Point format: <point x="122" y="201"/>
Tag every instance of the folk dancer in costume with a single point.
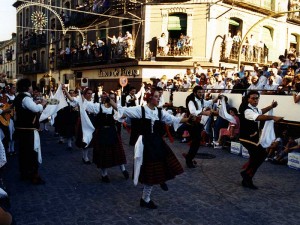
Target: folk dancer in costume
<point x="108" y="149"/>
<point x="27" y="125"/>
<point x="155" y="163"/>
<point x="74" y="102"/>
<point x="7" y="123"/>
<point x="71" y="119"/>
<point x="249" y="134"/>
<point x="196" y="107"/>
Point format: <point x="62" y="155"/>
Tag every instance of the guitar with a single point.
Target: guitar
<point x="5" y="116"/>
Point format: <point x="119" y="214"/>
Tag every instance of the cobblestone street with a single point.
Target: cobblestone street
<point x="209" y="194"/>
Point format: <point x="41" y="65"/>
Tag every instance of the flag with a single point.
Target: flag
<point x="51" y="110"/>
<point x="224" y="114"/>
<point x="86" y="124"/>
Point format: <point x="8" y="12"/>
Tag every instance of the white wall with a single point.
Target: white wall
<point x="286" y="106"/>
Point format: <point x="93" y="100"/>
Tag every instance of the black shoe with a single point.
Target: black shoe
<point x="38" y="181"/>
<point x="88" y="162"/>
<point x="249" y="184"/>
<point x="69" y="148"/>
<point x="164" y="186"/>
<point x="126" y="174"/>
<point x="60" y="142"/>
<point x="105" y="179"/>
<point x="190" y="164"/>
<point x="149" y="205"/>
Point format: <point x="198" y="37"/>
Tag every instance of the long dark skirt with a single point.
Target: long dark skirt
<point x="28" y="158"/>
<point x="108" y="149"/>
<point x="159" y="162"/>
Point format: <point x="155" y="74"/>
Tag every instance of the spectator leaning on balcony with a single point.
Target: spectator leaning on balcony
<point x="250" y="48"/>
<point x="162" y="44"/>
<point x="228" y="45"/>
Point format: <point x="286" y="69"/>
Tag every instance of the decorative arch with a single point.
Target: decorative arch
<point x="43" y="6"/>
<point x="79" y="30"/>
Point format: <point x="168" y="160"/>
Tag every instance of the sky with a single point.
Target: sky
<point x="7" y="19"/>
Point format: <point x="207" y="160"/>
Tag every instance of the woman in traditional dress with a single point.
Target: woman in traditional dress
<point x="155" y="163"/>
<point x="108" y="149"/>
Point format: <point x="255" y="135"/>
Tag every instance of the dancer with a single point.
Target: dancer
<point x="108" y="149"/>
<point x="249" y="134"/>
<point x="74" y="102"/>
<point x="27" y="125"/>
<point x="155" y="163"/>
<point x="196" y="107"/>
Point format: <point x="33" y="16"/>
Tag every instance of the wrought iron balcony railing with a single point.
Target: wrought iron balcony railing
<point x="251" y="54"/>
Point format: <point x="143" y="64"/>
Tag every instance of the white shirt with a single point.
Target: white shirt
<point x="192" y="107"/>
<point x="29" y="104"/>
<point x="272" y="87"/>
<point x="95" y="108"/>
<point x="253" y="113"/>
<point x="136" y="112"/>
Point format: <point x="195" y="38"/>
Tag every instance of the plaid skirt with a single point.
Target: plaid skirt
<point x="108" y="149"/>
<point x="159" y="162"/>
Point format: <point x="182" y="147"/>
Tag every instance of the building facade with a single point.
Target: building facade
<point x="8" y="60"/>
<point x="68" y="40"/>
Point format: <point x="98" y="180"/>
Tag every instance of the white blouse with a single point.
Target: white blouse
<point x="136" y="112"/>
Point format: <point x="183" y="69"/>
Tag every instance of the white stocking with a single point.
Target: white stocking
<point x="147" y="192"/>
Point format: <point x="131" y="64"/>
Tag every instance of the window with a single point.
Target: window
<point x="126" y="26"/>
<point x="235" y="26"/>
<point x="293" y="43"/>
<point x="102" y="33"/>
<point x="177" y="25"/>
<point x="267" y="36"/>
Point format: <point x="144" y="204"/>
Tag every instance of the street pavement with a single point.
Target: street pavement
<point x="209" y="194"/>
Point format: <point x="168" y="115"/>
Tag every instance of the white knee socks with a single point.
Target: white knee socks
<point x="85" y="153"/>
<point x="147" y="192"/>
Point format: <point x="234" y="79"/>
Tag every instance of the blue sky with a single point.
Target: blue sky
<point x="7" y="19"/>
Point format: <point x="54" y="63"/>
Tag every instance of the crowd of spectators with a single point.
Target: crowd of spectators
<point x="280" y="78"/>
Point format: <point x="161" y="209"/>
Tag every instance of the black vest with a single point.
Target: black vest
<point x="104" y="119"/>
<point x="24" y="117"/>
<point x="132" y="103"/>
<point x="249" y="128"/>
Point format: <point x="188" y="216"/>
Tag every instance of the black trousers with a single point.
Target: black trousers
<point x="257" y="154"/>
<point x="195" y="135"/>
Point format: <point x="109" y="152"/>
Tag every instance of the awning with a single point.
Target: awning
<point x="177" y="22"/>
<point x="233" y="22"/>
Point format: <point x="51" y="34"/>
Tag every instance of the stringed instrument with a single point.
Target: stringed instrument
<point x="5" y="117"/>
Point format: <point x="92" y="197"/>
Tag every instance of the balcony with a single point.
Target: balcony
<point x="32" y="68"/>
<point x="33" y="42"/>
<point x="120" y="52"/>
<point x="258" y="54"/>
<point x="174" y="49"/>
<point x="266" y="7"/>
<point x="294" y="17"/>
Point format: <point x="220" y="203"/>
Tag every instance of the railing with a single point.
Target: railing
<point x="31" y="68"/>
<point x="33" y="42"/>
<point x="95" y="54"/>
<point x="174" y="47"/>
<point x="253" y="54"/>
